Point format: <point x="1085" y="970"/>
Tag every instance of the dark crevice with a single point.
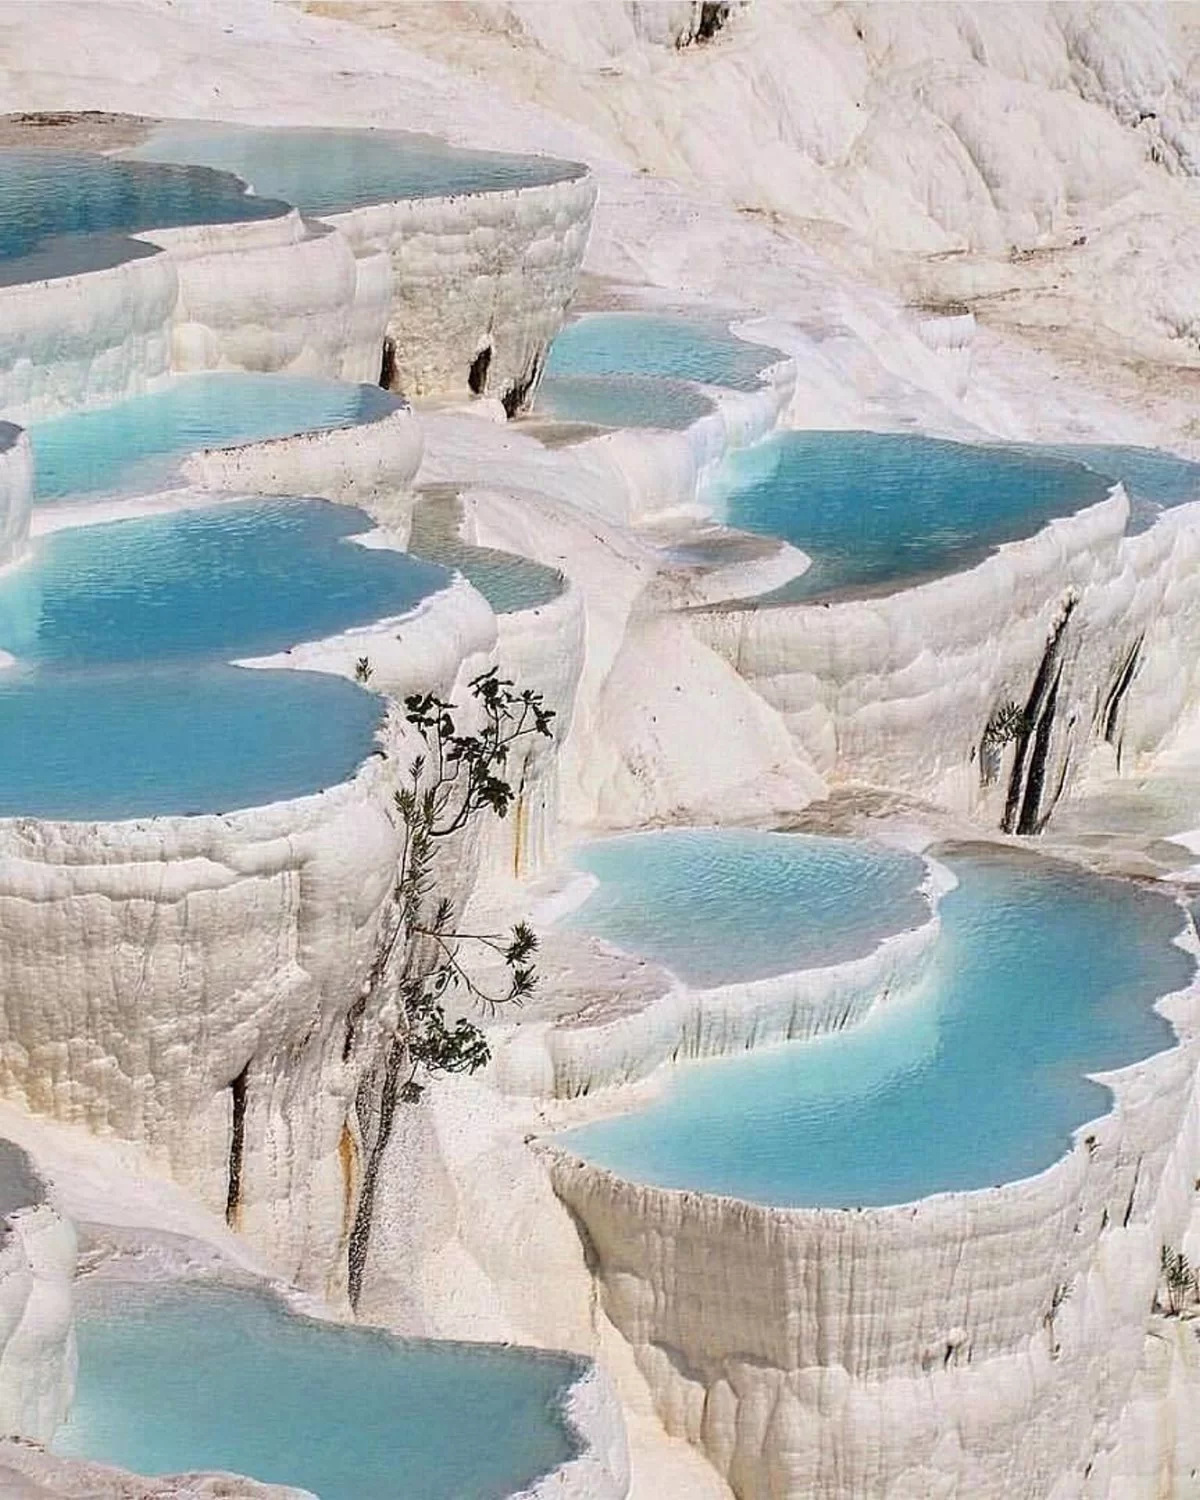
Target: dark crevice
<point x="713" y="15"/>
<point x="1032" y="724"/>
<point x="387" y="363"/>
<point x="376" y="1116"/>
<point x="237" y="1145"/>
<point x="1035" y="782"/>
<point x="1116" y="694"/>
<point x="517" y="395"/>
<point x="478" y="373"/>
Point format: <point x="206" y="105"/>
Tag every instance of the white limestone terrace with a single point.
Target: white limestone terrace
<point x="606" y="1016"/>
<point x="37" y="1262"/>
<point x="137" y="1230"/>
<point x="897" y="1349"/>
<point x="16" y="490"/>
<point x="861" y="359"/>
<point x="465" y="289"/>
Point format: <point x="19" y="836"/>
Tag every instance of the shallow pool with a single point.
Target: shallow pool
<point x="659" y="344"/>
<point x="175" y="1379"/>
<point x="330" y="171"/>
<point x="716" y="906"/>
<point x="620" y="401"/>
<point x="1042" y="974"/>
<point x="45" y="195"/>
<point x="139" y="444"/>
<point x="885" y="510"/>
<point x="121" y="701"/>
<point x="508" y="582"/>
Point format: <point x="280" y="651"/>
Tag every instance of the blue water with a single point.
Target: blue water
<point x="174" y="1380"/>
<point x="1154" y="481"/>
<point x="1043" y="974"/>
<point x="624" y="401"/>
<point x="658" y="344"/>
<point x="329" y="171"/>
<point x="881" y="510"/>
<point x="122" y="702"/>
<point x="44" y="195"/>
<point x="140" y="442"/>
<point x="719" y="905"/>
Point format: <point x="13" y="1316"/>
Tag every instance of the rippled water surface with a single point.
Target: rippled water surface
<point x="328" y="171"/>
<point x="348" y="1413"/>
<point x="120" y="701"/>
<point x="882" y="510"/>
<point x="1042" y="975"/>
<point x="139" y="443"/>
<point x="658" y="344"/>
<point x="718" y="905"/>
<point x="44" y="195"/>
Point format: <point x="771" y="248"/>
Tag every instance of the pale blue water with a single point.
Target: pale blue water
<point x="1155" y="481"/>
<point x="719" y="905"/>
<point x="624" y="401"/>
<point x="882" y="510"/>
<point x="122" y="702"/>
<point x="172" y="1380"/>
<point x="329" y="171"/>
<point x="1043" y="974"/>
<point x="44" y="195"/>
<point x="140" y="442"/>
<point x="658" y="344"/>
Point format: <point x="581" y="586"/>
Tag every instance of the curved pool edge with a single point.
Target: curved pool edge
<point x="561" y="1059"/>
<point x="1018" y="1310"/>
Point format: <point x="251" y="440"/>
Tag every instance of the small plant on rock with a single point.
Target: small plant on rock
<point x="1180" y="1279"/>
<point x="424" y="957"/>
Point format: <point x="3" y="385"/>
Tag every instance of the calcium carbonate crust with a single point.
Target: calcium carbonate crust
<point x="597" y="1047"/>
<point x="16" y="490"/>
<point x="896" y="1350"/>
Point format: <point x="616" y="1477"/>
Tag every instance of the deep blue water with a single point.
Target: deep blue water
<point x="882" y="510"/>
<point x="658" y="344"/>
<point x="1043" y="974"/>
<point x="328" y="171"/>
<point x="174" y="1380"/>
<point x="720" y="905"/>
<point x="122" y="703"/>
<point x="44" y="195"/>
<point x="138" y="443"/>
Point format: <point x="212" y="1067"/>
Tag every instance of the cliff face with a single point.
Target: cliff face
<point x="971" y="1343"/>
<point x="37" y="1264"/>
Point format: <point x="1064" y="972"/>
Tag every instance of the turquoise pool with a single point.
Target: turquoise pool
<point x="1043" y="974"/>
<point x="121" y="701"/>
<point x="508" y="582"/>
<point x="1155" y="481"/>
<point x="47" y="195"/>
<point x="625" y="401"/>
<point x="716" y="906"/>
<point x="138" y="444"/>
<point x="879" y="511"/>
<point x="666" y="346"/>
<point x="330" y="171"/>
<point x="175" y="1379"/>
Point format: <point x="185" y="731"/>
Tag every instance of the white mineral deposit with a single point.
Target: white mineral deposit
<point x="696" y="995"/>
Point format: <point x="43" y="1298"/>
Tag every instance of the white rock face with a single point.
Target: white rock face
<point x="273" y="294"/>
<point x="16" y="490"/>
<point x="899" y="690"/>
<point x="475" y="272"/>
<point x="897" y="1351"/>
<point x="88" y="338"/>
<point x="37" y="1264"/>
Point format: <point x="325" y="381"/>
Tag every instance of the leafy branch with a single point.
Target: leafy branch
<point x="423" y="956"/>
